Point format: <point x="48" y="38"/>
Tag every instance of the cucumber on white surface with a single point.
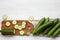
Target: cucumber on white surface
<point x="37" y="8"/>
<point x="31" y="18"/>
<point x="4" y="17"/>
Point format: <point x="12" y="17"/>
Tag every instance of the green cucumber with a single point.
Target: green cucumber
<point x="14" y="22"/>
<point x="7" y="32"/>
<point x="47" y="20"/>
<point x="19" y="28"/>
<point x="21" y="32"/>
<point x="44" y="26"/>
<point x="38" y="25"/>
<point x="4" y="17"/>
<point x="53" y="29"/>
<point x="56" y="33"/>
<point x="48" y="29"/>
<point x="8" y="23"/>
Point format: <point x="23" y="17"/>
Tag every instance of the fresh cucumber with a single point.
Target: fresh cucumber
<point x="23" y="24"/>
<point x="48" y="29"/>
<point x="53" y="29"/>
<point x="16" y="26"/>
<point x="14" y="22"/>
<point x="21" y="32"/>
<point x="56" y="32"/>
<point x="44" y="26"/>
<point x="8" y="23"/>
<point x="38" y="25"/>
<point x="7" y="32"/>
<point x="28" y="33"/>
<point x="19" y="28"/>
<point x="31" y="18"/>
<point x="47" y="20"/>
<point x="4" y="17"/>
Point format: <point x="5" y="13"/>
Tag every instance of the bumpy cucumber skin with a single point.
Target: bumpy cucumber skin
<point x="56" y="33"/>
<point x="38" y="25"/>
<point x="53" y="29"/>
<point x="7" y="32"/>
<point x="47" y="20"/>
<point x="48" y="29"/>
<point x="44" y="26"/>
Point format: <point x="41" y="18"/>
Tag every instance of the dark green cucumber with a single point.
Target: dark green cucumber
<point x="53" y="29"/>
<point x="48" y="29"/>
<point x="38" y="25"/>
<point x="47" y="20"/>
<point x="56" y="33"/>
<point x="7" y="32"/>
<point x="44" y="26"/>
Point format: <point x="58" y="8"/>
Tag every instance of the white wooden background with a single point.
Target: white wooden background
<point x="22" y="9"/>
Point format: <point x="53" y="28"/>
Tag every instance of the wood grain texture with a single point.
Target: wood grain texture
<point x="29" y="26"/>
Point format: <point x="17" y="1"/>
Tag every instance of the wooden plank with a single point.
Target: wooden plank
<point x="29" y="26"/>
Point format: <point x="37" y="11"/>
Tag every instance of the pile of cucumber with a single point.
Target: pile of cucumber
<point x="47" y="27"/>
